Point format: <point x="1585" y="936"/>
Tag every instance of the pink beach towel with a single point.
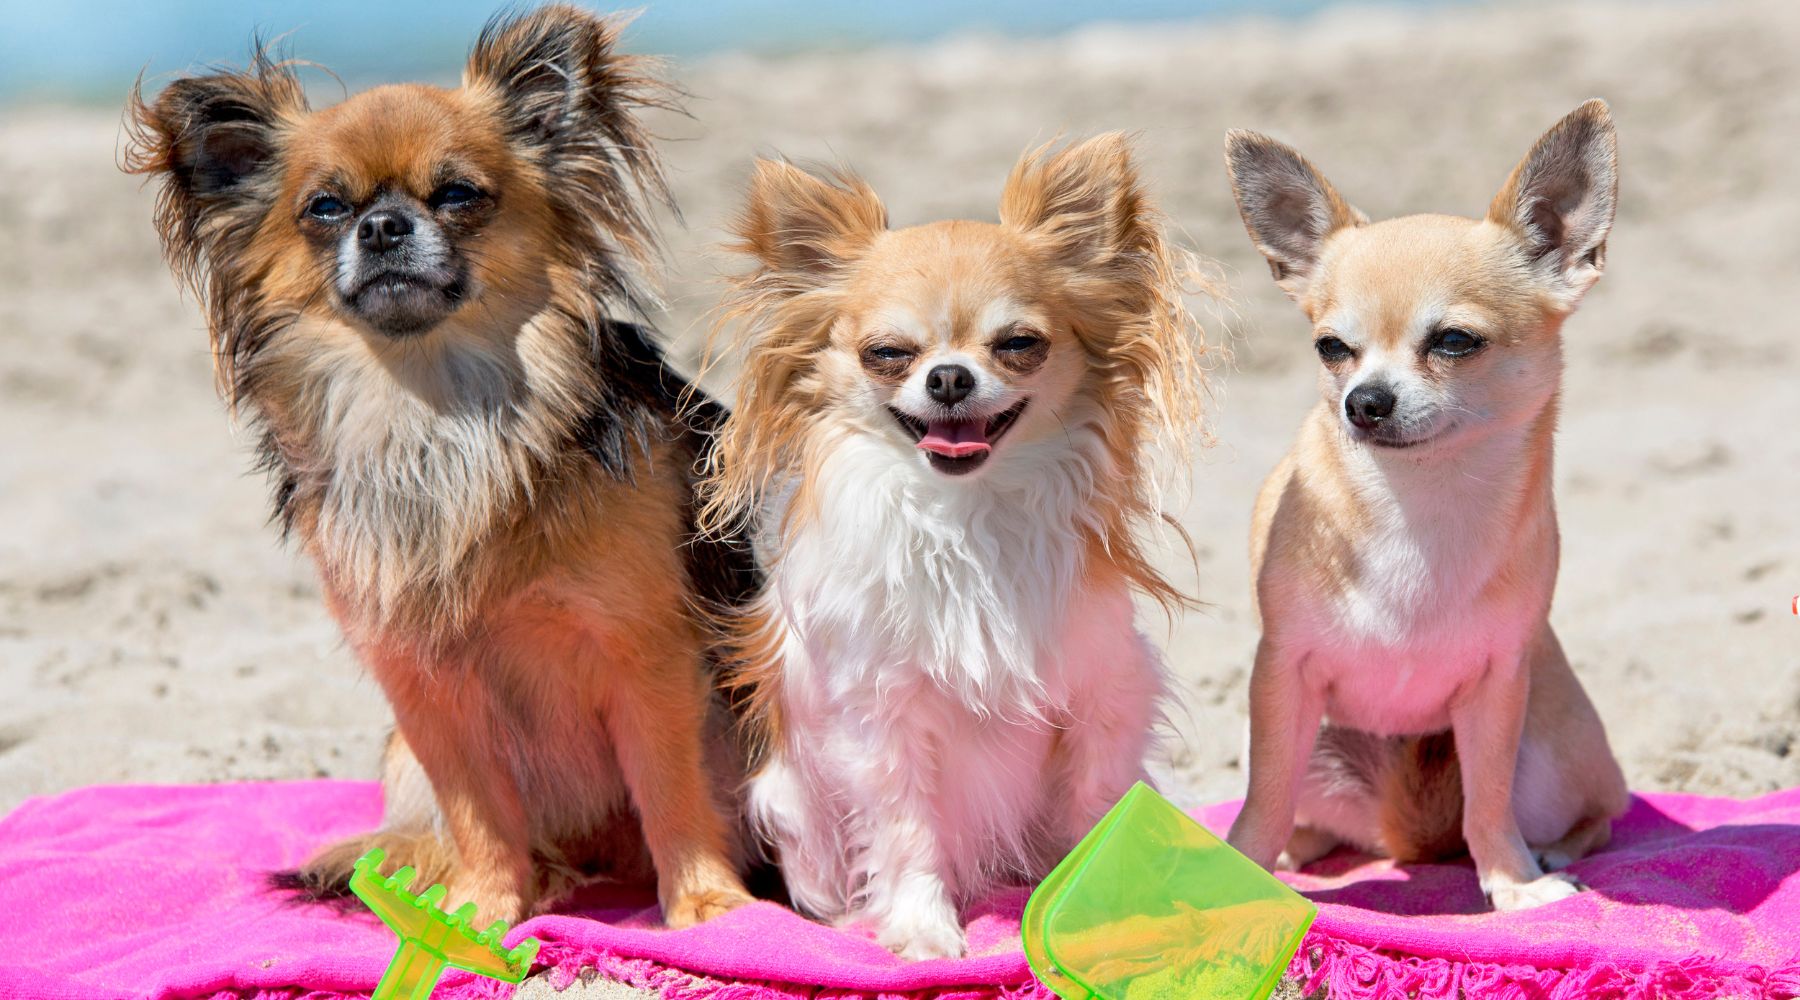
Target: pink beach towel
<point x="157" y="892"/>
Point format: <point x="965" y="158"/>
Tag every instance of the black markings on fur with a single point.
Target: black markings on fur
<point x="287" y="486"/>
<point x="641" y="398"/>
<point x="631" y="407"/>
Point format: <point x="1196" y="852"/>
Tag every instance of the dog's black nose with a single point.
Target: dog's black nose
<point x="949" y="384"/>
<point x="1368" y="405"/>
<point x="383" y="230"/>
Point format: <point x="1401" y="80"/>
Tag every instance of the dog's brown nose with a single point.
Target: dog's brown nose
<point x="1368" y="405"/>
<point x="383" y="230"/>
<point x="949" y="384"/>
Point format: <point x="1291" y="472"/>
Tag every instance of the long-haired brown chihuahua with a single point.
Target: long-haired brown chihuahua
<point x="408" y="296"/>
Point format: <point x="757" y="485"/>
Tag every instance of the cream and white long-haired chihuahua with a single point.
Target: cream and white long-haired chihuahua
<point x="944" y="431"/>
<point x="1405" y="552"/>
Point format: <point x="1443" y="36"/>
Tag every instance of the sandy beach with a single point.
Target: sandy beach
<point x="154" y="629"/>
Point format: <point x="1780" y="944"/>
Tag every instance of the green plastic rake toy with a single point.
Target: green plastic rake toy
<point x="1150" y="906"/>
<point x="431" y="939"/>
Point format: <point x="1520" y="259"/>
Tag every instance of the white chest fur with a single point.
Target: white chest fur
<point x="943" y="648"/>
<point x="1444" y="582"/>
<point x="904" y="574"/>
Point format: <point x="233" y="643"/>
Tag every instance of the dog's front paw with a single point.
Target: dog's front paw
<point x="493" y="901"/>
<point x="1510" y="896"/>
<point x="690" y="908"/>
<point x="923" y="939"/>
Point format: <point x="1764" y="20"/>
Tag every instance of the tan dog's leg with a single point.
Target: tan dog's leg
<point x="1306" y="845"/>
<point x="1568" y="787"/>
<point x="1284" y="723"/>
<point x="656" y="717"/>
<point x="1489" y="721"/>
<point x="1586" y="837"/>
<point x="446" y="717"/>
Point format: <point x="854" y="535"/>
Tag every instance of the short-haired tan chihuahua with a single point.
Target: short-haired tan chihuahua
<point x="1409" y="696"/>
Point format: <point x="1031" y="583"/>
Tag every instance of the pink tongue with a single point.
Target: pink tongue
<point x="955" y="438"/>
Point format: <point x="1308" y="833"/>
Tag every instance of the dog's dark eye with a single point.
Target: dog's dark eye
<point x="887" y="354"/>
<point x="1454" y="343"/>
<point x="1332" y="349"/>
<point x="886" y="361"/>
<point x="1019" y="342"/>
<point x="327" y="208"/>
<point x="455" y="193"/>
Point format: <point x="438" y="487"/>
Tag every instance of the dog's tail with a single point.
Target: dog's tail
<point x="1420" y="793"/>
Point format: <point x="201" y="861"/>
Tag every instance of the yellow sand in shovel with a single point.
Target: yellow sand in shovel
<point x="1150" y="906"/>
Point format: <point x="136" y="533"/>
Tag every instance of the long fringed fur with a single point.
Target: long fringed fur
<point x="933" y="661"/>
<point x="602" y="167"/>
<point x="206" y="217"/>
<point x="485" y="503"/>
<point x="599" y="160"/>
<point x="570" y="103"/>
<point x="1131" y="315"/>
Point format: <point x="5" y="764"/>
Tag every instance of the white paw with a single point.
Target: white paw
<point x="921" y="939"/>
<point x="1509" y="896"/>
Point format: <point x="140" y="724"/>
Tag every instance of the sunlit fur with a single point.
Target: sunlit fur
<point x="1404" y="567"/>
<point x="500" y="507"/>
<point x="950" y="684"/>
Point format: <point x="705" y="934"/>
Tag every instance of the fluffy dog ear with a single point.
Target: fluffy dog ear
<point x="213" y="140"/>
<point x="1086" y="200"/>
<point x="212" y="133"/>
<point x="804" y="227"/>
<point x="558" y="77"/>
<point x="1560" y="198"/>
<point x="568" y="100"/>
<point x="213" y="143"/>
<point x="1084" y="206"/>
<point x="1287" y="205"/>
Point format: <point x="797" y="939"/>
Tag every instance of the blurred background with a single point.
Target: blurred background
<point x="88" y="49"/>
<point x="154" y="628"/>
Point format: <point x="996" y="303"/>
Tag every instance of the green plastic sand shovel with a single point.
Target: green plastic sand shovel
<point x="1150" y="906"/>
<point x="431" y="939"/>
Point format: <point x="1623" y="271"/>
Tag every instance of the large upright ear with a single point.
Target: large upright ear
<point x="1087" y="206"/>
<point x="568" y="100"/>
<point x="803" y="231"/>
<point x="214" y="142"/>
<point x="1085" y="199"/>
<point x="805" y="228"/>
<point x="1560" y="198"/>
<point x="1287" y="205"/>
<point x="560" y="79"/>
